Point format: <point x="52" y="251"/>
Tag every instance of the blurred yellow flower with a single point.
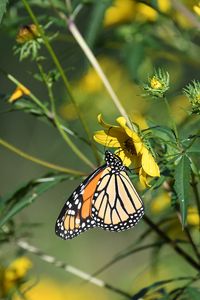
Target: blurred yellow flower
<point x="164" y="5"/>
<point x="193" y="217"/>
<point x="68" y="111"/>
<point x="127" y="10"/>
<point x="182" y="20"/>
<point x="120" y="11"/>
<point x="48" y="289"/>
<point x="160" y="203"/>
<point x="16" y="271"/>
<point x="139" y="119"/>
<point x="20" y="91"/>
<point x="132" y="148"/>
<point x="91" y="82"/>
<point x="146" y="13"/>
<point x="196" y="9"/>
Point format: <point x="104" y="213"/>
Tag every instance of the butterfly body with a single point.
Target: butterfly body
<point x="105" y="199"/>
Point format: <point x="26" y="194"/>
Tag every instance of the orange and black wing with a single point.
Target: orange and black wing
<point x="116" y="205"/>
<point x="75" y="217"/>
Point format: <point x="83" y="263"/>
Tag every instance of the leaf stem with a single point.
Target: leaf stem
<point x="172" y="243"/>
<point x="173" y="124"/>
<point x="61" y="71"/>
<point x="71" y="269"/>
<point x="59" y="126"/>
<point x="195" y="249"/>
<point x="194" y="184"/>
<point x="39" y="161"/>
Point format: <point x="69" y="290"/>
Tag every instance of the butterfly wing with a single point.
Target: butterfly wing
<point x="116" y="204"/>
<point x="75" y="216"/>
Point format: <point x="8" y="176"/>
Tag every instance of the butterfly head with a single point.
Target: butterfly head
<point x="113" y="161"/>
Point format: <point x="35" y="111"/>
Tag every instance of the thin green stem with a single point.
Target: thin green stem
<point x="172" y="243"/>
<point x="61" y="71"/>
<point x="173" y="124"/>
<point x="71" y="144"/>
<point x="193" y="140"/>
<point x="39" y="161"/>
<point x="33" y="97"/>
<point x="48" y="86"/>
<point x="192" y="243"/>
<point x="194" y="184"/>
<point x="58" y="125"/>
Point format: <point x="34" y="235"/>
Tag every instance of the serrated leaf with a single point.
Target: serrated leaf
<point x="182" y="185"/>
<point x="3" y="4"/>
<point x="28" y="193"/>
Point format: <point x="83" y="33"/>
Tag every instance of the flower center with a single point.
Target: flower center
<point x="129" y="146"/>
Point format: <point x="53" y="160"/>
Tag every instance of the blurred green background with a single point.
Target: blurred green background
<point x="130" y="39"/>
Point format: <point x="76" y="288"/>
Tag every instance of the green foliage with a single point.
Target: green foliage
<point x="3" y="5"/>
<point x="182" y="185"/>
<point x="158" y="84"/>
<point x="192" y="293"/>
<point x="26" y="194"/>
<point x="192" y="91"/>
<point x="67" y="95"/>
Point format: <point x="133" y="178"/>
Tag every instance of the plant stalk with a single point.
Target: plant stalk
<point x="39" y="161"/>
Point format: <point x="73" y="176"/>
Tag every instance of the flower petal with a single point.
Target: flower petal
<point x="148" y="163"/>
<point x="103" y="138"/>
<point x="133" y="135"/>
<point x="104" y="124"/>
<point x="125" y="157"/>
<point x="143" y="178"/>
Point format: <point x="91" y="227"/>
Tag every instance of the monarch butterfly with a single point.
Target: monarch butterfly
<point x="105" y="199"/>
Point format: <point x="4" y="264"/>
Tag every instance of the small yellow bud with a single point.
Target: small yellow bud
<point x="18" y="93"/>
<point x="155" y="83"/>
<point x="27" y="33"/>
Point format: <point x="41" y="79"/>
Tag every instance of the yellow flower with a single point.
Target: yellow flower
<point x="160" y="203"/>
<point x="193" y="217"/>
<point x="16" y="271"/>
<point x="146" y="13"/>
<point x="132" y="148"/>
<point x="68" y="111"/>
<point x="27" y="33"/>
<point x="18" y="93"/>
<point x="91" y="82"/>
<point x="196" y="9"/>
<point x="164" y="5"/>
<point x="48" y="289"/>
<point x="120" y="11"/>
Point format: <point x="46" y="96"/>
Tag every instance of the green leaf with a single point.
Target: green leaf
<point x="3" y="4"/>
<point x="193" y="293"/>
<point x="26" y="194"/>
<point x="182" y="185"/>
<point x="27" y="106"/>
<point x="96" y="20"/>
<point x="156" y="285"/>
